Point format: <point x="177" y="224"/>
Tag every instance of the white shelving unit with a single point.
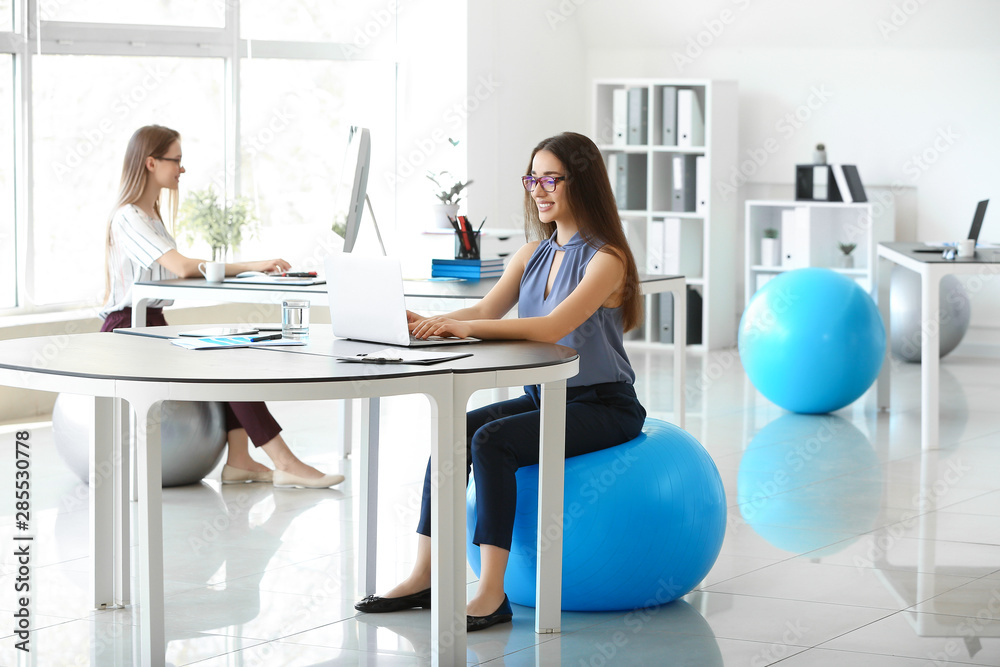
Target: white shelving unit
<point x="829" y="224"/>
<point x="708" y="230"/>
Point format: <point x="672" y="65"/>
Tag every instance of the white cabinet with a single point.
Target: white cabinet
<point x="810" y="233"/>
<point x="670" y="147"/>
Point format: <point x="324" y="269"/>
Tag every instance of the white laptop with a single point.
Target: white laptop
<point x="366" y="302"/>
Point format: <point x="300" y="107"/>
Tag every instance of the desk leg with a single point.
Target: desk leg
<point x="551" y="479"/>
<point x="448" y="406"/>
<point x="122" y="506"/>
<point x="150" y="520"/>
<point x="102" y="517"/>
<point x="346" y="414"/>
<point x="368" y="507"/>
<point x="139" y="312"/>
<point x="680" y="354"/>
<point x="930" y="360"/>
<point x="884" y="382"/>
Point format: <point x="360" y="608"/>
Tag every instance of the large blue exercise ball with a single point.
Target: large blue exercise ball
<point x="643" y="524"/>
<point x="906" y="336"/>
<point x="790" y="471"/>
<point x="811" y="340"/>
<point x="192" y="437"/>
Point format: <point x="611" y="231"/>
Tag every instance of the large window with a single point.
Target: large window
<point x="99" y="69"/>
<point x="296" y="117"/>
<point x="8" y="246"/>
<point x="86" y="108"/>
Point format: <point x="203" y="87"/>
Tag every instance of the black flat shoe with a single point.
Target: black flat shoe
<point x="502" y="615"/>
<point x="373" y="604"/>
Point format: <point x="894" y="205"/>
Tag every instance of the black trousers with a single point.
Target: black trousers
<point x="502" y="437"/>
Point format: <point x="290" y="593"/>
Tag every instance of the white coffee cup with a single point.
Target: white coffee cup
<point x="214" y="272"/>
<point x="967" y="248"/>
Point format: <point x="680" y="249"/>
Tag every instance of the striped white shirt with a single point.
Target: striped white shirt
<point x="137" y="241"/>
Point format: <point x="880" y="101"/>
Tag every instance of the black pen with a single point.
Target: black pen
<point x="276" y="336"/>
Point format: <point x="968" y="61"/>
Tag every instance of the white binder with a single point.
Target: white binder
<point x="701" y="185"/>
<point x="690" y="119"/>
<point x="795" y="238"/>
<point x="682" y="198"/>
<point x="654" y="251"/>
<point x="619" y="117"/>
<point x="682" y="247"/>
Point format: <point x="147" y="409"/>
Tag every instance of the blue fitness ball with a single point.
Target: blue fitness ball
<point x="812" y="341"/>
<point x="643" y="524"/>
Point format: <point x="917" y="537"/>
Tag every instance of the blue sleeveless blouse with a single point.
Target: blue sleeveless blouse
<point x="598" y="340"/>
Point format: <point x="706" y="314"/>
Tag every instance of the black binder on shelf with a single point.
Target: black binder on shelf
<point x="854" y="185"/>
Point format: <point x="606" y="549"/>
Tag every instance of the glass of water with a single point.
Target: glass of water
<point x="294" y="318"/>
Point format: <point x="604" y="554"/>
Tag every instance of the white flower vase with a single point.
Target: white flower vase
<point x="442" y="212"/>
<point x="770" y="252"/>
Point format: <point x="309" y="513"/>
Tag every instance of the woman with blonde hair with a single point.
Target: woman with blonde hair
<point x="140" y="248"/>
<point x="576" y="285"/>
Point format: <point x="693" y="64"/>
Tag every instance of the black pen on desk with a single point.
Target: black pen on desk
<point x="270" y="337"/>
<point x="481" y="225"/>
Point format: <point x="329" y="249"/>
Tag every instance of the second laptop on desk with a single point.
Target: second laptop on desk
<point x="367" y="302"/>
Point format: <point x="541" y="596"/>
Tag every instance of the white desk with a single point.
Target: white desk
<point x="431" y="294"/>
<point x="146" y="371"/>
<point x="931" y="267"/>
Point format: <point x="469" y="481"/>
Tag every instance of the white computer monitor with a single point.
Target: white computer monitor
<point x="349" y="199"/>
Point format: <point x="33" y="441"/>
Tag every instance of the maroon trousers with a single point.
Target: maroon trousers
<point x="254" y="417"/>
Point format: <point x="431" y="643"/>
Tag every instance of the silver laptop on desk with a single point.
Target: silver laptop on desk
<point x="977" y="225"/>
<point x="367" y="302"/>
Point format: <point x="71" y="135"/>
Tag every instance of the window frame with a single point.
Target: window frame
<point x="31" y="37"/>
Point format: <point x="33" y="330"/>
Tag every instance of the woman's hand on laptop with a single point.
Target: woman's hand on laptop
<point x="412" y="319"/>
<point x="269" y="265"/>
<point x="439" y="326"/>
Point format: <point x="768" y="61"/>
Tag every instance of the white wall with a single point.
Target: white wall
<point x="528" y="68"/>
<point x="906" y="89"/>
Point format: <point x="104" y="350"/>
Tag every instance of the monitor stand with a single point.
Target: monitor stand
<point x="377" y="232"/>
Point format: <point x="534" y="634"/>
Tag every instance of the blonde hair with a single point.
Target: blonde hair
<point x="147" y="141"/>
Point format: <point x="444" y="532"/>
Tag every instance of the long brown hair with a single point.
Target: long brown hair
<point x="592" y="203"/>
<point x="147" y="141"/>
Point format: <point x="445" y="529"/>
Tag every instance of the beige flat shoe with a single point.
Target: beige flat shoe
<point x="231" y="475"/>
<point x="284" y="479"/>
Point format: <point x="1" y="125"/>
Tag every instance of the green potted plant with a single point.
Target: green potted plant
<point x="770" y="252"/>
<point x="221" y="225"/>
<point x="448" y="190"/>
<point x="847" y="261"/>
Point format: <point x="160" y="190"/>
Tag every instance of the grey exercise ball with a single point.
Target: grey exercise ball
<point x="192" y="437"/>
<point x="904" y="314"/>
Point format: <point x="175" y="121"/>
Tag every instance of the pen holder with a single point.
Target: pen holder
<point x="466" y="245"/>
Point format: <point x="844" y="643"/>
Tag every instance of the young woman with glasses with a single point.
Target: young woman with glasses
<point x="578" y="286"/>
<point x="139" y="248"/>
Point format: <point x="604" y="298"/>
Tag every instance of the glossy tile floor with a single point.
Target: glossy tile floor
<point x="845" y="544"/>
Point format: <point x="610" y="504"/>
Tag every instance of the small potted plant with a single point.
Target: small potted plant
<point x="221" y="225"/>
<point x="448" y="190"/>
<point x="847" y="261"/>
<point x="770" y="252"/>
